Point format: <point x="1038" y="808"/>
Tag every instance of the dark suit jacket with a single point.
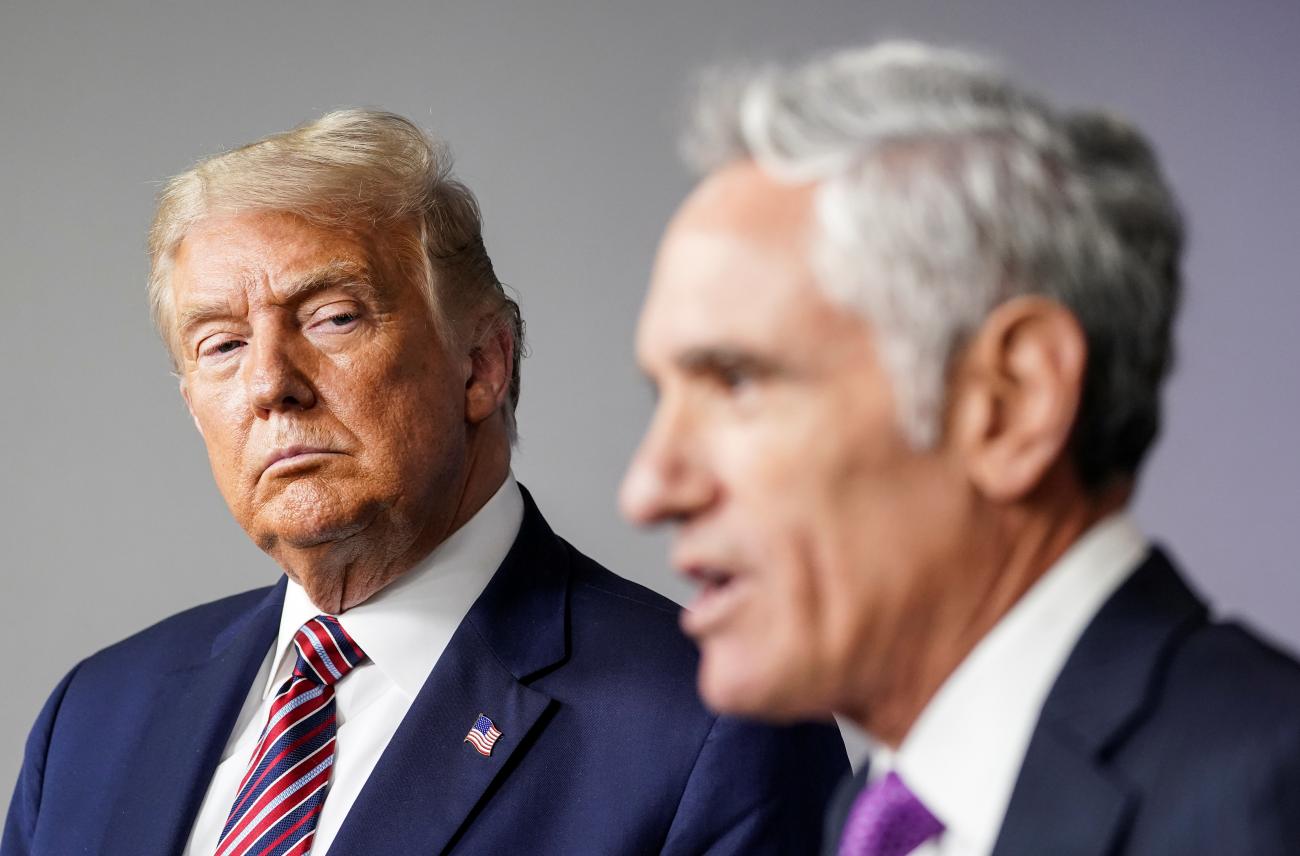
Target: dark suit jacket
<point x="1165" y="733"/>
<point x="605" y="747"/>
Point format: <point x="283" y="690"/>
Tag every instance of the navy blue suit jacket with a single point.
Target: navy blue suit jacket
<point x="605" y="747"/>
<point x="1165" y="733"/>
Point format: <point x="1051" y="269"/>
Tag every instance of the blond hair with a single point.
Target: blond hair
<point x="351" y="169"/>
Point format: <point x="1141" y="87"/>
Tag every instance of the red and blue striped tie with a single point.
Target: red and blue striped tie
<point x="281" y="795"/>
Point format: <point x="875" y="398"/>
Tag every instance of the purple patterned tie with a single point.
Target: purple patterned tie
<point x="887" y="820"/>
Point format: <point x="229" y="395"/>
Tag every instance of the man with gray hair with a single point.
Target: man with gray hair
<point x="436" y="671"/>
<point x="908" y="337"/>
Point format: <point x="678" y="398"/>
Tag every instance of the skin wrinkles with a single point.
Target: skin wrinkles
<point x="307" y="340"/>
<point x="840" y="568"/>
<point x="340" y="274"/>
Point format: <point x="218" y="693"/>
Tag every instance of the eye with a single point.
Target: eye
<point x="336" y="317"/>
<point x="219" y="346"/>
<point x="728" y="372"/>
<point x="732" y="378"/>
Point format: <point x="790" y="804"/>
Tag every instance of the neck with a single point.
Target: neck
<point x="990" y="572"/>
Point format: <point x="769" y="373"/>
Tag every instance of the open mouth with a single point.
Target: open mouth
<point x="719" y="594"/>
<point x="710" y="580"/>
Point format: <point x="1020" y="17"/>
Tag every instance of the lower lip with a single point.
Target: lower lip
<point x="283" y="466"/>
<point x="712" y="608"/>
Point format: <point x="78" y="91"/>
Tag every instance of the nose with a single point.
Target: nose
<point x="668" y="479"/>
<point x="274" y="377"/>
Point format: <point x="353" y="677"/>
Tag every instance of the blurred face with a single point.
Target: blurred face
<point x="332" y="412"/>
<point x="804" y="518"/>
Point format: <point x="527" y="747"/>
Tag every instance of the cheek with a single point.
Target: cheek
<point x="819" y="510"/>
<point x="224" y="420"/>
<point x="783" y="535"/>
<point x="774" y="660"/>
<point x="404" y="413"/>
<point x="790" y="491"/>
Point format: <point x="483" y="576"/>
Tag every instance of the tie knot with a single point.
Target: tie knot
<point x="887" y="820"/>
<point x="325" y="651"/>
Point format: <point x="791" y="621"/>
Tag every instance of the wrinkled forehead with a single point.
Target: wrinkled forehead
<point x="286" y="253"/>
<point x="737" y="237"/>
<point x="734" y="269"/>
<point x="268" y="242"/>
<point x="741" y="198"/>
<point x="225" y="263"/>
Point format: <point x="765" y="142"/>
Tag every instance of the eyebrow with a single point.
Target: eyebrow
<point x="339" y="273"/>
<point x="710" y="359"/>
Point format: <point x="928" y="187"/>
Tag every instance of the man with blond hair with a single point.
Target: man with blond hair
<point x="908" y="336"/>
<point x="436" y="671"/>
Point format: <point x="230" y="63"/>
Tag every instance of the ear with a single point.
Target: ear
<point x="185" y="394"/>
<point x="1016" y="396"/>
<point x="492" y="363"/>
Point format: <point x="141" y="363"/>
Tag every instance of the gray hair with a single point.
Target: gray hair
<point x="944" y="190"/>
<point x="363" y="169"/>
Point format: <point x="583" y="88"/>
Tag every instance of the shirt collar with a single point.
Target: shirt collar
<point x="405" y="627"/>
<point x="964" y="753"/>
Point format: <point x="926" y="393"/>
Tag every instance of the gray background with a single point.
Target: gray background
<point x="563" y="116"/>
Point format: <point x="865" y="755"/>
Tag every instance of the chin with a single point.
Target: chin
<point x="746" y="686"/>
<point x="303" y="519"/>
<point x="305" y="534"/>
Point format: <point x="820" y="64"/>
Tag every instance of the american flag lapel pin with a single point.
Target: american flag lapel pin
<point x="483" y="735"/>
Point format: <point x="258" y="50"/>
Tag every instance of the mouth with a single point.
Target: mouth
<point x="719" y="594"/>
<point x="287" y="459"/>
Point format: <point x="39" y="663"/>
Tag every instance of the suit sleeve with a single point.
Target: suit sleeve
<point x="24" y="808"/>
<point x="756" y="789"/>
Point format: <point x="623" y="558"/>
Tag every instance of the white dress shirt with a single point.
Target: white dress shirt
<point x="962" y="756"/>
<point x="403" y="629"/>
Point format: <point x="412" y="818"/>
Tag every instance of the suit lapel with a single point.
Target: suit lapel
<point x="1066" y="801"/>
<point x="1063" y="803"/>
<point x="429" y="781"/>
<point x="188" y="726"/>
<point x="837" y="813"/>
